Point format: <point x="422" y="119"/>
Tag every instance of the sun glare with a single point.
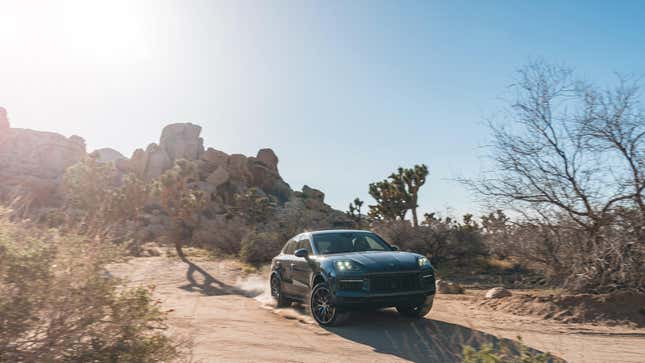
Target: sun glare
<point x="109" y="31"/>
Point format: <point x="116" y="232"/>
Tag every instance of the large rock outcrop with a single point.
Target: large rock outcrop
<point x="178" y="141"/>
<point x="32" y="164"/>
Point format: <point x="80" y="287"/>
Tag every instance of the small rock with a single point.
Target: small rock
<point x="446" y="287"/>
<point x="497" y="292"/>
<point x="154" y="251"/>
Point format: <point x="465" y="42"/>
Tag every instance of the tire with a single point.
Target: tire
<point x="276" y="292"/>
<point x="322" y="310"/>
<point x="417" y="311"/>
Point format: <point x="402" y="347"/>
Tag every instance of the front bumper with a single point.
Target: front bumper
<point x="370" y="292"/>
<point x="360" y="301"/>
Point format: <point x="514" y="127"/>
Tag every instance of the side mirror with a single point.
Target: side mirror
<point x="302" y="253"/>
<point x="394" y="247"/>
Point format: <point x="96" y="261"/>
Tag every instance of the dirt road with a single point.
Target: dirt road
<point x="230" y="319"/>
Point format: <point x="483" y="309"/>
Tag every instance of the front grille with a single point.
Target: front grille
<point x="351" y="285"/>
<point x="394" y="283"/>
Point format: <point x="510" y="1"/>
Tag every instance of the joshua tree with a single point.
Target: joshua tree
<point x="182" y="203"/>
<point x="390" y="201"/>
<point x="355" y="211"/>
<point x="409" y="181"/>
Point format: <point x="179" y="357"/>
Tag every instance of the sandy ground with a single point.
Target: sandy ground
<point x="229" y="318"/>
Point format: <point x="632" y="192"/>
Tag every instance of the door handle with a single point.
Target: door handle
<point x="292" y="266"/>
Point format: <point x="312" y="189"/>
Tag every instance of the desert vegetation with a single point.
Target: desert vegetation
<point x="59" y="304"/>
<point x="518" y="353"/>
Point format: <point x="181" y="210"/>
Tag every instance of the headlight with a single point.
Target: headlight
<point x="423" y="262"/>
<point x="346" y="266"/>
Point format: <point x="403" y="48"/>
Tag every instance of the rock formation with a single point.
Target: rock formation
<point x="32" y="164"/>
<point x="178" y="141"/>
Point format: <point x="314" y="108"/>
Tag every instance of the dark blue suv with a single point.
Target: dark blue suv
<point x="338" y="271"/>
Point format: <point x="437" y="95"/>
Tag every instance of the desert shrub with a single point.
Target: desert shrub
<point x="223" y="235"/>
<point x="260" y="247"/>
<point x="440" y="239"/>
<point x="616" y="258"/>
<point x="465" y="239"/>
<point x="505" y="352"/>
<point x="405" y="236"/>
<point x="97" y="195"/>
<point x="254" y="205"/>
<point x="57" y="303"/>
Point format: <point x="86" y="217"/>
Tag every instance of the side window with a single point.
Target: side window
<point x="290" y="247"/>
<point x="305" y="243"/>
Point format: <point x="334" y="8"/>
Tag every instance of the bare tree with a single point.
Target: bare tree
<point x="572" y="157"/>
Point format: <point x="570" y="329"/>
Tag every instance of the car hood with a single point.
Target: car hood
<point x="377" y="261"/>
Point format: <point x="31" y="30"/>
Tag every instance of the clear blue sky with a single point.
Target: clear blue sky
<point x="344" y="92"/>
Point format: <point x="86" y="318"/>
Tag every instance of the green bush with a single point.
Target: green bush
<point x="57" y="303"/>
<point x="505" y="353"/>
<point x="260" y="247"/>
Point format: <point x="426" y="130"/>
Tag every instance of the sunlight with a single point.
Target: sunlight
<point x="109" y="32"/>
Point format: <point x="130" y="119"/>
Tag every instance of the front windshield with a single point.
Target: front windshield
<point x="344" y="242"/>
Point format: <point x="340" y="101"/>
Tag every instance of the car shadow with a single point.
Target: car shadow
<point x="417" y="340"/>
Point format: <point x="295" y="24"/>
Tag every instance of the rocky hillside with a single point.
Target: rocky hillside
<point x="32" y="165"/>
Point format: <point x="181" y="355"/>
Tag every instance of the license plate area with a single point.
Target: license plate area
<point x="394" y="283"/>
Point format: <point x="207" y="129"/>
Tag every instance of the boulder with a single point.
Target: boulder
<point x="446" y="287"/>
<point x="268" y="158"/>
<point x="156" y="162"/>
<point x="238" y="168"/>
<point x="182" y="141"/>
<point x="215" y="157"/>
<point x="497" y="292"/>
<point x="178" y="141"/>
<point x="107" y="155"/>
<point x="123" y="165"/>
<point x="268" y="179"/>
<point x="218" y="177"/>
